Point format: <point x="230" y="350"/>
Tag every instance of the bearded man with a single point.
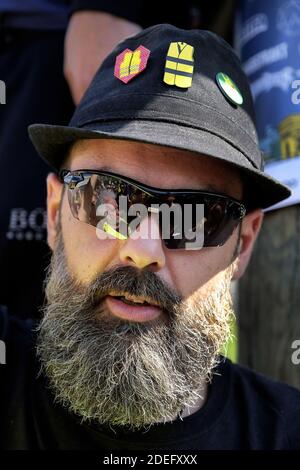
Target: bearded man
<point x="154" y="209"/>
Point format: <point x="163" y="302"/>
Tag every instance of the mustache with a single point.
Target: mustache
<point x="123" y="280"/>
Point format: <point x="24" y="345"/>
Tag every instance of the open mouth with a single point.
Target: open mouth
<point x="134" y="300"/>
<point x="129" y="309"/>
<point x="131" y="302"/>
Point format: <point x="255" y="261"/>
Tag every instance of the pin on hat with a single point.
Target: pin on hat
<point x="179" y="66"/>
<point x="130" y="63"/>
<point x="229" y="88"/>
<point x="157" y="112"/>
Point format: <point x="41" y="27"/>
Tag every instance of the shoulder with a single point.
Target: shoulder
<point x="13" y="329"/>
<point x="18" y="376"/>
<point x="269" y="399"/>
<point x="18" y="338"/>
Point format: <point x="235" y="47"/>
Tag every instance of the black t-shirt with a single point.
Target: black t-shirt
<point x="244" y="410"/>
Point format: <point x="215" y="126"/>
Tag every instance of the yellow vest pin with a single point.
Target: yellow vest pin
<point x="179" y="66"/>
<point x="229" y="88"/>
<point x="130" y="63"/>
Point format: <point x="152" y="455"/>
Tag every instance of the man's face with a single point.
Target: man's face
<point x="160" y="167"/>
<point x="102" y="364"/>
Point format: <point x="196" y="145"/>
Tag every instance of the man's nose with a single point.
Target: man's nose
<point x="144" y="248"/>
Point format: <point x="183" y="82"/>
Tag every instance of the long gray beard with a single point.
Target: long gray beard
<point x="124" y="373"/>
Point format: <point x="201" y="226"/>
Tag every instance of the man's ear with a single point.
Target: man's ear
<point x="251" y="226"/>
<point x="54" y="194"/>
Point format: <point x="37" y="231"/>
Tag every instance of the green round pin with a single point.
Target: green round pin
<point x="229" y="88"/>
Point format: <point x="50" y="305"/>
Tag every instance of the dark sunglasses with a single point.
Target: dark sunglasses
<point x="87" y="189"/>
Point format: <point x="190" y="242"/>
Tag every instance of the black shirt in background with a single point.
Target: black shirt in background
<point x="244" y="410"/>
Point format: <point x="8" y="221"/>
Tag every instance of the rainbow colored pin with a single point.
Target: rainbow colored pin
<point x="131" y="63"/>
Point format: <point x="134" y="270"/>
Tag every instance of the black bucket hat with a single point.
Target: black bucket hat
<point x="180" y="88"/>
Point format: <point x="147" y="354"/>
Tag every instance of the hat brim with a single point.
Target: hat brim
<point x="52" y="143"/>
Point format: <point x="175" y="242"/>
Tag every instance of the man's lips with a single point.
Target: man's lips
<point x="137" y="313"/>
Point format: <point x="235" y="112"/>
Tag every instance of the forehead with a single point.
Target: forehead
<point x="155" y="165"/>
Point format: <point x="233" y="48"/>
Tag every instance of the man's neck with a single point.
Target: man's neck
<point x="189" y="410"/>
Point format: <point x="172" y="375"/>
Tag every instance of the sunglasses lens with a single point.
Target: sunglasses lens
<point x="88" y="195"/>
<point x="188" y="222"/>
<point x="209" y="222"/>
<point x="220" y="222"/>
<point x="97" y="201"/>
